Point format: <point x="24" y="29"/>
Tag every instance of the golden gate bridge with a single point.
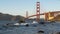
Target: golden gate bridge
<point x="49" y="16"/>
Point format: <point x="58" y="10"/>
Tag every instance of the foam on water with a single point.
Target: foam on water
<point x="48" y="28"/>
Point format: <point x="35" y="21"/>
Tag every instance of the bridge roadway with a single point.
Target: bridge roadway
<point x="44" y="13"/>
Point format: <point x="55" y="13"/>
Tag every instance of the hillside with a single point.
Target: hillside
<point x="10" y="17"/>
<point x="57" y="18"/>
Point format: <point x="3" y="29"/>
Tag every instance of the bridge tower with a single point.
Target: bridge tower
<point x="38" y="11"/>
<point x="26" y="14"/>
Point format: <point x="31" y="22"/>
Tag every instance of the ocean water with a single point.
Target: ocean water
<point x="48" y="28"/>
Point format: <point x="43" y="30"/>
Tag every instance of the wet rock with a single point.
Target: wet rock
<point x="27" y="25"/>
<point x="42" y="22"/>
<point x="40" y="31"/>
<point x="56" y="33"/>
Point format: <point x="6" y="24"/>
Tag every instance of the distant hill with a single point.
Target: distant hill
<point x="57" y="18"/>
<point x="10" y="17"/>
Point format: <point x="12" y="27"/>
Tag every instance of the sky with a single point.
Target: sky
<point x="19" y="7"/>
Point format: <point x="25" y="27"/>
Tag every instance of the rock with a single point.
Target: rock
<point x="27" y="25"/>
<point x="40" y="31"/>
